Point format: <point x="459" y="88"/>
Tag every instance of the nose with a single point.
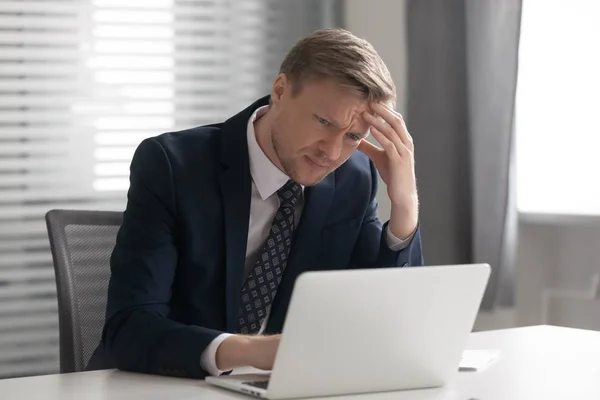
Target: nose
<point x="331" y="148"/>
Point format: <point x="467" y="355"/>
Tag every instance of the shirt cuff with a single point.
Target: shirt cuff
<point x="396" y="244"/>
<point x="208" y="359"/>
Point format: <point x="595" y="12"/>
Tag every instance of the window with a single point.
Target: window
<point x="82" y="82"/>
<point x="557" y="108"/>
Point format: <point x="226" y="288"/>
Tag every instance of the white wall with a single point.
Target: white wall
<point x="558" y="259"/>
<point x="382" y="24"/>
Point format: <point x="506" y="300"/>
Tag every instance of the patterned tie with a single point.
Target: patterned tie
<point x="263" y="280"/>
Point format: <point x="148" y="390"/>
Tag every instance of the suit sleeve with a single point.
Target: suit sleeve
<point x="138" y="334"/>
<point x="371" y="248"/>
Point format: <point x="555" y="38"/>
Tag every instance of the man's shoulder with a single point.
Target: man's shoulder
<point x="190" y="148"/>
<point x="205" y="137"/>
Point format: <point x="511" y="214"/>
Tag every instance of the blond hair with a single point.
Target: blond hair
<point x="339" y="55"/>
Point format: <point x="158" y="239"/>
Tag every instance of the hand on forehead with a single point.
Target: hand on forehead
<point x="382" y="111"/>
<point x="354" y="120"/>
<point x="348" y="117"/>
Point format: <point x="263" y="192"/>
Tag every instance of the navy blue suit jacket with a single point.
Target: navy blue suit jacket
<point x="178" y="264"/>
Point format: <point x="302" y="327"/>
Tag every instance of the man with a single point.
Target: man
<point x="221" y="219"/>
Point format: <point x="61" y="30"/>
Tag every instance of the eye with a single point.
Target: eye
<point x="322" y="121"/>
<point x="353" y="136"/>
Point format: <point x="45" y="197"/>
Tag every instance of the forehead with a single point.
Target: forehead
<point x="335" y="101"/>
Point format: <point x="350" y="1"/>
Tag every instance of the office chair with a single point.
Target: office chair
<point x="81" y="244"/>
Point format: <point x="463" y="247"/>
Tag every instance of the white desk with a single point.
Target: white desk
<point x="545" y="363"/>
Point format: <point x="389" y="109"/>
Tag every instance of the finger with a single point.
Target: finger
<point x="370" y="150"/>
<point x="386" y="143"/>
<point x="391" y="109"/>
<point x="396" y="121"/>
<point x="367" y="147"/>
<point x="412" y="143"/>
<point x="388" y="131"/>
<point x="408" y="135"/>
<point x="394" y="112"/>
<point x="389" y="115"/>
<point x="411" y="147"/>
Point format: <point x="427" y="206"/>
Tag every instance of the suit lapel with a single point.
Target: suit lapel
<point x="236" y="188"/>
<point x="316" y="207"/>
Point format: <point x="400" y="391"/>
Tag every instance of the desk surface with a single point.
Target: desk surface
<point x="539" y="362"/>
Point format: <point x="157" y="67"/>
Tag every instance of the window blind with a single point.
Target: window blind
<point x="82" y="82"/>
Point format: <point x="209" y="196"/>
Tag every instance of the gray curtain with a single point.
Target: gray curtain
<point x="462" y="72"/>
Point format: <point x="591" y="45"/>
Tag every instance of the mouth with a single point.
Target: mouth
<point x="316" y="164"/>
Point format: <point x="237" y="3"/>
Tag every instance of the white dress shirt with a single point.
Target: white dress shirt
<point x="264" y="202"/>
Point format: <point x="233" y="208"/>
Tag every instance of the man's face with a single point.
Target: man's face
<point x="316" y="130"/>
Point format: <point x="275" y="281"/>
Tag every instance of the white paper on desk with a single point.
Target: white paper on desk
<point x="477" y="360"/>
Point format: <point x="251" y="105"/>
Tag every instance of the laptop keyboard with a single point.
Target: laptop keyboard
<point x="258" y="384"/>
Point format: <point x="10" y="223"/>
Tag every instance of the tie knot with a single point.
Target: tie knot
<point x="289" y="194"/>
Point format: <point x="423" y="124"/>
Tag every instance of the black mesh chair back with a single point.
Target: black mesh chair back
<point x="81" y="244"/>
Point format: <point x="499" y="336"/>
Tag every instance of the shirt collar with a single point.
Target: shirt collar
<point x="266" y="176"/>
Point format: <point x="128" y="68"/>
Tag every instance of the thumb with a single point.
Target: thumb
<point x="370" y="150"/>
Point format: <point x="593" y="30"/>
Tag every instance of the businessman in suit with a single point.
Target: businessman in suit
<point x="221" y="219"/>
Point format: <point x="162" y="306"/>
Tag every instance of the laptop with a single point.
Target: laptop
<point x="370" y="330"/>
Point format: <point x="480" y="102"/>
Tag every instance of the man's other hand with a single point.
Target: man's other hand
<point x="247" y="351"/>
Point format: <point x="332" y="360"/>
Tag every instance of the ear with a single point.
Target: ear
<point x="280" y="88"/>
